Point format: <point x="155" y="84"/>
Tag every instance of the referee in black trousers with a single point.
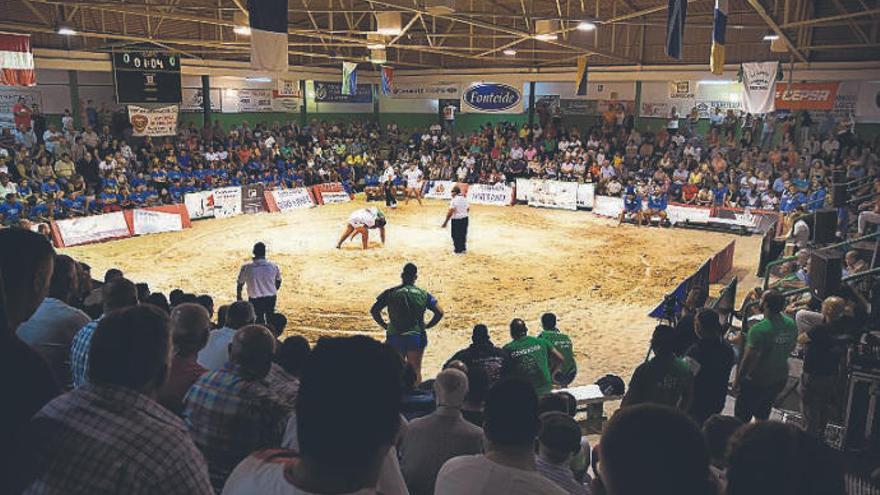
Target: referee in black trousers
<point x="458" y="213"/>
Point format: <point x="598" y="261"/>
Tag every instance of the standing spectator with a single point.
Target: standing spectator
<point x="26" y="263"/>
<point x="91" y="114"/>
<point x="763" y="371"/>
<point x="432" y="440"/>
<point x="559" y="441"/>
<point x="21" y="114"/>
<point x="117" y="294"/>
<point x="664" y="379"/>
<point x="190" y="325"/>
<point x="823" y="353"/>
<point x="562" y="343"/>
<point x="718" y="430"/>
<point x="458" y="213"/>
<point x="634" y="454"/>
<point x="685" y="334"/>
<point x="406" y="327"/>
<point x="532" y="359"/>
<point x="52" y="327"/>
<point x="216" y="353"/>
<point x="508" y="467"/>
<point x="263" y="279"/>
<point x="483" y="356"/>
<point x="711" y="360"/>
<point x="339" y="452"/>
<point x="232" y="412"/>
<point x="85" y="440"/>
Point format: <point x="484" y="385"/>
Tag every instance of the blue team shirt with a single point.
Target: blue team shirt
<point x="12" y="211"/>
<point x="789" y="202"/>
<point x="38" y="210"/>
<point x="632" y="205"/>
<point x="817" y="199"/>
<point x="657" y="202"/>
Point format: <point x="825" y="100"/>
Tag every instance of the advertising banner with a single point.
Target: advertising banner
<point x="607" y="206"/>
<point x="193" y="99"/>
<point x="432" y="91"/>
<point x="759" y="87"/>
<point x="94" y="228"/>
<point x="585" y="194"/>
<point x="290" y="199"/>
<point x="9" y="98"/>
<point x="692" y="214"/>
<point x="252" y="198"/>
<point x="334" y="197"/>
<point x="227" y="201"/>
<point x="806" y="96"/>
<point x="655" y="109"/>
<point x="153" y="222"/>
<point x="439" y="189"/>
<point x="153" y="121"/>
<point x="553" y="194"/>
<point x="523" y="189"/>
<point x="199" y="204"/>
<point x="681" y="89"/>
<point x="247" y="100"/>
<point x="287" y="88"/>
<point x="868" y="107"/>
<point x="492" y="98"/>
<point x="331" y="92"/>
<point x="484" y="194"/>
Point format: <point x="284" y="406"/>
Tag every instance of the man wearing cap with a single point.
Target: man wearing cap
<point x="458" y="213"/>
<point x="263" y="279"/>
<point x="559" y="440"/>
<point x="483" y="355"/>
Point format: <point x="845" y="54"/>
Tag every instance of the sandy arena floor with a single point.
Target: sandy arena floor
<point x="601" y="280"/>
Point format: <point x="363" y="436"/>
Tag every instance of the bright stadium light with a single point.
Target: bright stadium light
<point x="586" y="26"/>
<point x="242" y="24"/>
<point x="510" y="52"/>
<point x="242" y="30"/>
<point x="771" y="36"/>
<point x="258" y="79"/>
<point x="66" y="31"/>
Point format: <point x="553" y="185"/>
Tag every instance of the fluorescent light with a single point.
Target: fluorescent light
<point x="510" y="52"/>
<point x="714" y="81"/>
<point x="66" y="31"/>
<point x="242" y="30"/>
<point x="547" y="37"/>
<point x="375" y="46"/>
<point x="586" y="26"/>
<point x="392" y="31"/>
<point x="263" y="79"/>
<point x="771" y="37"/>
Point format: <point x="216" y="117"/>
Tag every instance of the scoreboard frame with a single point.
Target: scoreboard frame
<point x="146" y="77"/>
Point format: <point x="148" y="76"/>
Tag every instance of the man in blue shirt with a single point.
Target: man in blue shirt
<point x="12" y="210"/>
<point x="791" y="199"/>
<point x="38" y="211"/>
<point x="657" y="203"/>
<point x="632" y="207"/>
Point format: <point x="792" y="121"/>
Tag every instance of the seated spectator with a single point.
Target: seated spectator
<point x="770" y="458"/>
<point x="664" y="379"/>
<point x="283" y="377"/>
<point x="232" y="412"/>
<point x="338" y="452"/>
<point x="215" y="355"/>
<point x="190" y="325"/>
<point x="508" y="467"/>
<point x="483" y="356"/>
<point x="92" y="303"/>
<point x="718" y="430"/>
<point x="117" y="294"/>
<point x="634" y="454"/>
<point x="432" y="440"/>
<point x="26" y="264"/>
<point x="562" y="343"/>
<point x="535" y="360"/>
<point x="565" y="403"/>
<point x="85" y="440"/>
<point x="559" y="441"/>
<point x="711" y="360"/>
<point x="416" y="401"/>
<point x="52" y="327"/>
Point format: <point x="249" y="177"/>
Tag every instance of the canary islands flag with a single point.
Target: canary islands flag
<point x="349" y="78"/>
<point x="581" y="84"/>
<point x="719" y="29"/>
<point x="387" y="79"/>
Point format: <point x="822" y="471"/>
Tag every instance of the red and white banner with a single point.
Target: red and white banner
<point x="289" y="199"/>
<point x="484" y="194"/>
<point x="331" y="193"/>
<point x="806" y="96"/>
<point x="199" y="204"/>
<point x="83" y="230"/>
<point x="154" y="222"/>
<point x="16" y="60"/>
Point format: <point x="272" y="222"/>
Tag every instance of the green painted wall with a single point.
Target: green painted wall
<point x="408" y="121"/>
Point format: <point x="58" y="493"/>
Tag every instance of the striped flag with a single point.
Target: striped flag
<point x="581" y="83"/>
<point x="268" y="21"/>
<point x="676" y="15"/>
<point x="387" y="79"/>
<point x="349" y="78"/>
<point x="719" y="33"/>
<point x="16" y="60"/>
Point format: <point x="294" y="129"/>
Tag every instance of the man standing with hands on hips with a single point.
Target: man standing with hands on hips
<point x="263" y="279"/>
<point x="458" y="213"/>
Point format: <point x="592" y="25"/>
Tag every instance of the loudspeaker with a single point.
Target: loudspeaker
<point x="824" y="226"/>
<point x="825" y="273"/>
<point x="839" y="195"/>
<point x="862" y="413"/>
<point x="838" y="175"/>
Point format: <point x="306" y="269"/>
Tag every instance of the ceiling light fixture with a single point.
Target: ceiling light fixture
<point x="242" y="30"/>
<point x="586" y="26"/>
<point x="510" y="52"/>
<point x="66" y="31"/>
<point x="771" y="36"/>
<point x="375" y="41"/>
<point x="547" y="29"/>
<point x="388" y="23"/>
<point x="242" y="24"/>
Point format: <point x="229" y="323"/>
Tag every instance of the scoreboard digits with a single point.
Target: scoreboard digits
<point x="146" y="77"/>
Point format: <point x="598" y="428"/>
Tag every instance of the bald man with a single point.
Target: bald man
<point x="232" y="412"/>
<point x="432" y="440"/>
<point x="190" y="324"/>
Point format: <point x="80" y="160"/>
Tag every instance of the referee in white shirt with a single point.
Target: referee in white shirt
<point x="263" y="279"/>
<point x="458" y="213"/>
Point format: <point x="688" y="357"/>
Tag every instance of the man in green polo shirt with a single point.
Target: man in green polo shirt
<point x="406" y="328"/>
<point x="763" y="372"/>
<point x="562" y="343"/>
<point x="532" y="359"/>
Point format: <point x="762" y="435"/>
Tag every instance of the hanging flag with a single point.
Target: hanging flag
<point x="349" y="78"/>
<point x="676" y="14"/>
<point x="719" y="33"/>
<point x="16" y="60"/>
<point x="581" y="84"/>
<point x="759" y="87"/>
<point x="268" y="21"/>
<point x="387" y="79"/>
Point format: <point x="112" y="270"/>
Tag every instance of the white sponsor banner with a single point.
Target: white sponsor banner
<point x="759" y="87"/>
<point x="608" y="206"/>
<point x="247" y="100"/>
<point x="585" y="194"/>
<point x="430" y="91"/>
<point x="227" y="201"/>
<point x="483" y="194"/>
<point x="9" y="98"/>
<point x="691" y="214"/>
<point x="193" y="99"/>
<point x="199" y="204"/>
<point x="523" y="189"/>
<point x="439" y="189"/>
<point x="486" y="97"/>
<point x="153" y="222"/>
<point x="160" y="121"/>
<point x="553" y="194"/>
<point x="334" y="197"/>
<point x="287" y="105"/>
<point x="292" y="199"/>
<point x="288" y="88"/>
<point x="94" y="228"/>
<point x="868" y="106"/>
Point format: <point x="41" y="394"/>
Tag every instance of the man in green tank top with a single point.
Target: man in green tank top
<point x="562" y="343"/>
<point x="532" y="359"/>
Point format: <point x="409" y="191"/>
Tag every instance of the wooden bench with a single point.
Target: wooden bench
<point x="590" y="403"/>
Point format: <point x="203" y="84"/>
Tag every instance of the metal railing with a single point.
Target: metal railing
<point x="825" y="248"/>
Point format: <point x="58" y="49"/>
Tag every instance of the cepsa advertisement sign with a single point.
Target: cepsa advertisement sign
<point x="806" y="96"/>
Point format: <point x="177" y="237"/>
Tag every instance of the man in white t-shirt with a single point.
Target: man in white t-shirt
<point x="413" y="176"/>
<point x="360" y="222"/>
<point x="263" y="279"/>
<point x="388" y="183"/>
<point x="508" y="466"/>
<point x="458" y="213"/>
